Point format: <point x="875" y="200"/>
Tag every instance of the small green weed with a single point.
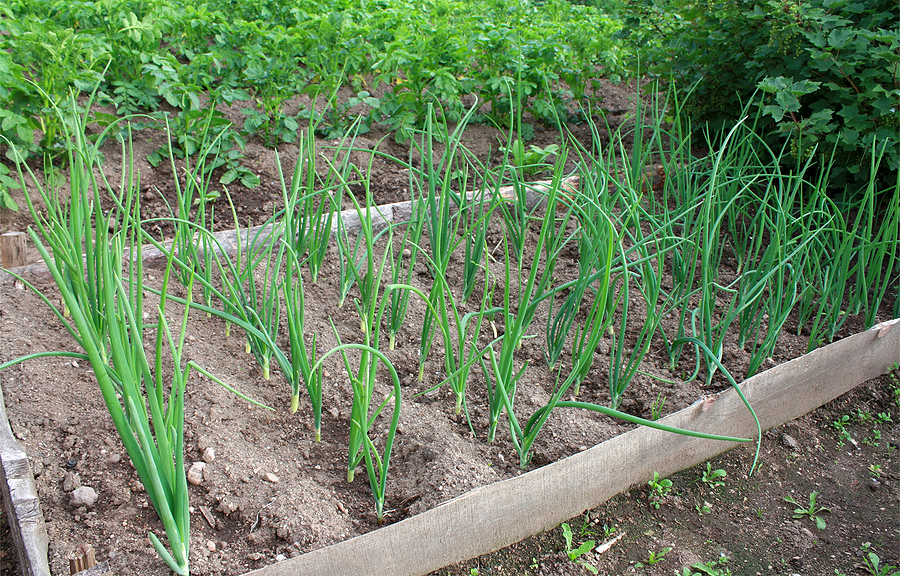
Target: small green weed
<point x="873" y="564"/>
<point x="841" y="426"/>
<point x="575" y="554"/>
<point x="712" y="478"/>
<point x="659" y="489"/>
<point x="895" y="384"/>
<point x="812" y="511"/>
<point x="657" y="406"/>
<point x="702" y="509"/>
<point x="608" y="530"/>
<point x="875" y="470"/>
<point x="654" y="557"/>
<point x="714" y="568"/>
<point x="874" y="440"/>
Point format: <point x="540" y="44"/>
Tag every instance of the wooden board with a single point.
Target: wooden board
<point x="12" y="249"/>
<point x="534" y="193"/>
<point x="495" y="516"/>
<point x="20" y="499"/>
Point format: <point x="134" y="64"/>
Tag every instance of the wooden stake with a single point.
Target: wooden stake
<point x="86" y="564"/>
<point x="12" y="247"/>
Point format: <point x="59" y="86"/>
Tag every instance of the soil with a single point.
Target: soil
<point x="268" y="491"/>
<point x="745" y="526"/>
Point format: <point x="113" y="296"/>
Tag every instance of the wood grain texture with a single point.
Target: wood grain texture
<point x="20" y="499"/>
<point x="495" y="516"/>
<point x="12" y="249"/>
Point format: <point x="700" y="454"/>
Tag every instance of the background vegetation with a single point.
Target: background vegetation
<point x="826" y="73"/>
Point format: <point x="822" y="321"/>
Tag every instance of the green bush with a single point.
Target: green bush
<point x="827" y="72"/>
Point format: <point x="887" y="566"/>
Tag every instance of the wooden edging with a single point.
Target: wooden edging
<point x="383" y="215"/>
<point x="506" y="512"/>
<point x="20" y="499"/>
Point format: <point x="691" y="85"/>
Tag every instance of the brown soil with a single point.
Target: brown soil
<point x="747" y="527"/>
<point x="242" y="519"/>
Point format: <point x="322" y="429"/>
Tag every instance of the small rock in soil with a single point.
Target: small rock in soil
<point x="269" y="477"/>
<point x="209" y="454"/>
<point x="84" y="496"/>
<point x="790" y="442"/>
<point x="71" y="482"/>
<point x="114" y="458"/>
<point x="195" y="473"/>
<point x="211" y="546"/>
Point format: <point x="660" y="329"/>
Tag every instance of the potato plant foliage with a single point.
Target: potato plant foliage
<point x="180" y="53"/>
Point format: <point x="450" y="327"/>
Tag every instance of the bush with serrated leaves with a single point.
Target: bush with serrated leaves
<point x="826" y="72"/>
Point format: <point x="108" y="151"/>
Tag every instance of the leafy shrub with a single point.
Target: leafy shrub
<point x="829" y="71"/>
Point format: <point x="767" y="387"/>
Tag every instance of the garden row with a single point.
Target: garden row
<point x="178" y="61"/>
<point x="825" y="74"/>
<point x="794" y="251"/>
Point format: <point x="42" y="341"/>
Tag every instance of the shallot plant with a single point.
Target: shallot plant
<point x="148" y="412"/>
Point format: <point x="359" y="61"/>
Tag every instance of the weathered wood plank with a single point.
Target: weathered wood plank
<point x="20" y="499"/>
<point x="489" y="518"/>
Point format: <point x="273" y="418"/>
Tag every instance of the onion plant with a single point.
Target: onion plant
<point x="195" y="197"/>
<point x="476" y="220"/>
<point x="500" y="375"/>
<point x="402" y="267"/>
<point x="441" y="221"/>
<point x="598" y="241"/>
<point x="464" y="334"/>
<point x="370" y="305"/>
<point x="770" y="241"/>
<point x="310" y="228"/>
<point x="878" y="251"/>
<point x="524" y="437"/>
<point x="68" y="226"/>
<point x="350" y="260"/>
<point x="148" y="413"/>
<point x="302" y="356"/>
<point x="362" y="418"/>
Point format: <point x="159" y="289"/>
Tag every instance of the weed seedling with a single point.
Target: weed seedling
<point x="703" y="509"/>
<point x="577" y="553"/>
<point x="812" y="511"/>
<point x="655" y="557"/>
<point x="712" y="477"/>
<point x="659" y="489"/>
<point x="875" y="470"/>
<point x="841" y="426"/>
<point x="714" y="568"/>
<point x="874" y="440"/>
<point x="608" y="531"/>
<point x="876" y="568"/>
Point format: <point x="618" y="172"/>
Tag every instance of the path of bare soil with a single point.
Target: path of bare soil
<point x="268" y="491"/>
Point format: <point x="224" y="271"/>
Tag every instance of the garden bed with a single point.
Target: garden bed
<point x="264" y="491"/>
<point x="269" y="493"/>
<point x="486" y="518"/>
